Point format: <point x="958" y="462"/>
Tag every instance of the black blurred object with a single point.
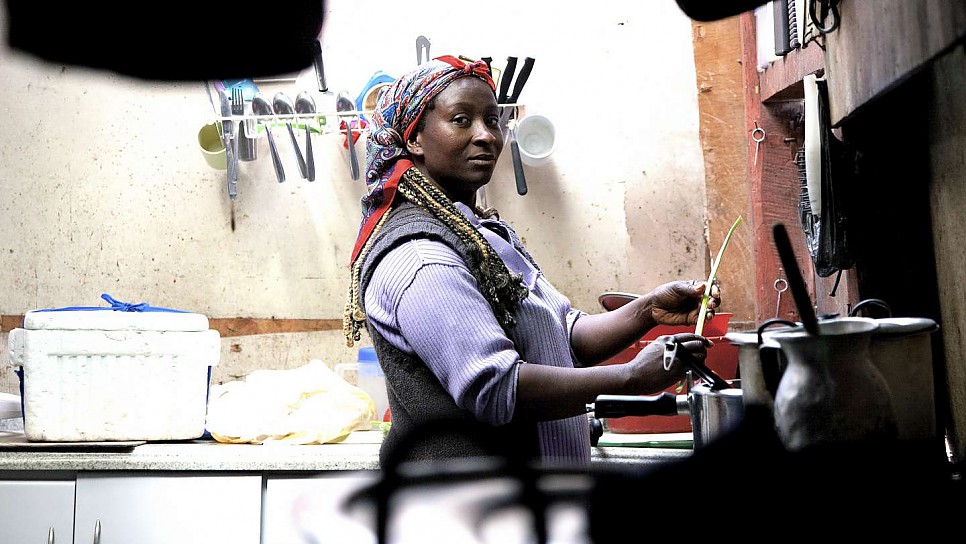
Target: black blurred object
<point x="179" y="41"/>
<point x="713" y="10"/>
<point x="747" y="485"/>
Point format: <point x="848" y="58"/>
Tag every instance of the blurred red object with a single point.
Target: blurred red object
<point x="358" y="126"/>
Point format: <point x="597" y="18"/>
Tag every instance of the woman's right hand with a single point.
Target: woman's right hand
<point x="647" y="368"/>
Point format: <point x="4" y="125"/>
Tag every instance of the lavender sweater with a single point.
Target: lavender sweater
<point x="461" y="341"/>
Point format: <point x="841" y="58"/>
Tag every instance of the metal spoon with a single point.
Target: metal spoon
<point x="261" y="106"/>
<point x="344" y="103"/>
<point x="284" y="105"/>
<point x="304" y="103"/>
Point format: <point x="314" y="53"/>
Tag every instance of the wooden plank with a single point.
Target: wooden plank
<point x="947" y="142"/>
<point x="719" y="82"/>
<point x="782" y="79"/>
<point x="10" y="322"/>
<point x="233" y="326"/>
<point x="773" y="180"/>
<point x="880" y="43"/>
<point x="247" y="326"/>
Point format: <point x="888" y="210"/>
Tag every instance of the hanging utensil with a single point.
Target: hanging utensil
<point x="245" y="145"/>
<point x="230" y="150"/>
<point x="508" y="112"/>
<point x="304" y="103"/>
<point x="517" y="160"/>
<point x="261" y="106"/>
<point x="319" y="67"/>
<point x="422" y="46"/>
<point x="344" y="104"/>
<point x="284" y="105"/>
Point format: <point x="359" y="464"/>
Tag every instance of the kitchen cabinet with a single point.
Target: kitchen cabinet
<point x="116" y="508"/>
<point x="37" y="511"/>
<point x="309" y="508"/>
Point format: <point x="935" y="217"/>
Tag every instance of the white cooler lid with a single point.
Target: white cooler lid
<point x="120" y="316"/>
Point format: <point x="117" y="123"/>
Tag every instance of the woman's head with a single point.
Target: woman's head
<point x="458" y="140"/>
<point x="399" y="110"/>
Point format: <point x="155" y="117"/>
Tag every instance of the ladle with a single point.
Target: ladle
<point x="304" y="103"/>
<point x="795" y="281"/>
<point x="343" y="103"/>
<point x="284" y="105"/>
<point x="261" y="106"/>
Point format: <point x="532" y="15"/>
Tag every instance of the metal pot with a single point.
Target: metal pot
<point x="713" y="412"/>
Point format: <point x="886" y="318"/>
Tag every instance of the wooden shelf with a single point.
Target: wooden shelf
<point x="782" y="80"/>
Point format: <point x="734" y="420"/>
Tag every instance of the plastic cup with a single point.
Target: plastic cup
<point x="536" y="138"/>
<point x="212" y="147"/>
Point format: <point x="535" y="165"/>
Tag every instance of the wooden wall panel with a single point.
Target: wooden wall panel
<point x="717" y="59"/>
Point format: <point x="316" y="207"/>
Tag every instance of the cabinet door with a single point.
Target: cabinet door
<point x="163" y="508"/>
<point x="36" y="511"/>
<point x="310" y="509"/>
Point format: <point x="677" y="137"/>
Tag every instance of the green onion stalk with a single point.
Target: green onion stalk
<point x="702" y="313"/>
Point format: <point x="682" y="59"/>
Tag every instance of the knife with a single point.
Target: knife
<point x="229" y="136"/>
<point x="521" y="80"/>
<point x="319" y="68"/>
<point x="511" y="66"/>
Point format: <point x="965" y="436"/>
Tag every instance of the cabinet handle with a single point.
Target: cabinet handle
<point x="50" y="536"/>
<point x="97" y="532"/>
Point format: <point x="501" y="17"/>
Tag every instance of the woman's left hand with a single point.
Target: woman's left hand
<point x="679" y="302"/>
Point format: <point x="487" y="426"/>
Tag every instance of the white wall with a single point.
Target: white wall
<point x="104" y="190"/>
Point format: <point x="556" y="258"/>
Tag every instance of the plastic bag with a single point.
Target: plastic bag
<point x="827" y="234"/>
<point x="306" y="405"/>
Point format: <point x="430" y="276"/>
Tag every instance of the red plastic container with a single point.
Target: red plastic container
<point x="722" y="359"/>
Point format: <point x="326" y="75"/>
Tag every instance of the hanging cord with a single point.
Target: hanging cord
<point x="818" y="18"/>
<point x="835" y="287"/>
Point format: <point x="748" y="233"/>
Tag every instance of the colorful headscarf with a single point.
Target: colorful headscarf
<point x="396" y="115"/>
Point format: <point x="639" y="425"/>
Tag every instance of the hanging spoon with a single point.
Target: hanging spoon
<point x="304" y="103"/>
<point x="343" y="103"/>
<point x="261" y="106"/>
<point x="284" y="105"/>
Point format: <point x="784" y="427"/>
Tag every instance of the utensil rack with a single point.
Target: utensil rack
<point x="299" y="119"/>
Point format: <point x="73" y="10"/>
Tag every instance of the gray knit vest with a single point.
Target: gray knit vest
<point x="426" y="422"/>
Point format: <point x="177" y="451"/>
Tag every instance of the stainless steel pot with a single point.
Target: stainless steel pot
<point x="713" y="412"/>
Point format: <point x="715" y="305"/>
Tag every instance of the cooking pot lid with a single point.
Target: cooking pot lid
<point x="613" y="299"/>
<point x="897" y="326"/>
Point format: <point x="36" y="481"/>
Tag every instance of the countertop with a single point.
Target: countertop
<point x="358" y="452"/>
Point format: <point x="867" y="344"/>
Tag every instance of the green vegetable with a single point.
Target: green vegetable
<point x="714" y="271"/>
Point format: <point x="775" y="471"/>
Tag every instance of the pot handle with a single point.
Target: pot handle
<point x="871" y="302"/>
<point x="663" y="404"/>
<point x="774" y="321"/>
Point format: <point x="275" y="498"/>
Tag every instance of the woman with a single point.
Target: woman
<point x="464" y="324"/>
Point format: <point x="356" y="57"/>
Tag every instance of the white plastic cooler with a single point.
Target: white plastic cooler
<point x="125" y="372"/>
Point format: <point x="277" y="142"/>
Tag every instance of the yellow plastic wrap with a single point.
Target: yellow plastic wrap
<point x="306" y="405"/>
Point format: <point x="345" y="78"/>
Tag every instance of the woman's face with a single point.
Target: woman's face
<point x="461" y="139"/>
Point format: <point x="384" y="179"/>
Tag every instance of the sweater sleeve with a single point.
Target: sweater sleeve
<point x="424" y="300"/>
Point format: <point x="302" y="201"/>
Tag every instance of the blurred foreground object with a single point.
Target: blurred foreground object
<point x="183" y="40"/>
<point x="713" y="10"/>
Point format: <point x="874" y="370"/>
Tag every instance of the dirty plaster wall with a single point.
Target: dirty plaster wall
<point x="103" y="188"/>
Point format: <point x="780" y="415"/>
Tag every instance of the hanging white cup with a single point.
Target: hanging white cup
<point x="536" y="137"/>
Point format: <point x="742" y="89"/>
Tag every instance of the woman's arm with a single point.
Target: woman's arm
<point x="598" y="337"/>
<point x="546" y="392"/>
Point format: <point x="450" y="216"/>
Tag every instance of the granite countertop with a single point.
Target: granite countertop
<point x="358" y="452"/>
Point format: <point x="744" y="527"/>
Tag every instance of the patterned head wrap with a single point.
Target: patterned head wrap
<point x="396" y="115"/>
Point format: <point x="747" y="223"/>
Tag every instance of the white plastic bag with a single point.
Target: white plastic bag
<point x="306" y="405"/>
